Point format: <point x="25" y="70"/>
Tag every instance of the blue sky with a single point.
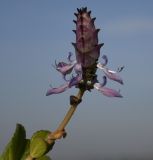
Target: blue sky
<point x="35" y="33"/>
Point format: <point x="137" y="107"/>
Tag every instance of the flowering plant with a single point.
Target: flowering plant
<point x="87" y="51"/>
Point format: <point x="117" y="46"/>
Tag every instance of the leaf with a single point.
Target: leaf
<point x="16" y="146"/>
<point x="43" y="134"/>
<point x="26" y="150"/>
<point x="38" y="147"/>
<point x="40" y="134"/>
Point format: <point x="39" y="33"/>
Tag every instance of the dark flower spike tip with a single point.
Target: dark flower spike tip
<point x="96" y="32"/>
<point x="78" y="9"/>
<point x="93" y="20"/>
<point x="74" y="31"/>
<point x="76" y="15"/>
<point x="89" y="13"/>
<point x="82" y="10"/>
<point x="75" y="21"/>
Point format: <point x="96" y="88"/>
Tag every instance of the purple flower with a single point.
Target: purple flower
<point x="87" y="51"/>
<point x="113" y="75"/>
<point x="72" y="82"/>
<point x="65" y="69"/>
<point x="60" y="89"/>
<point x="75" y="80"/>
<point x="107" y="91"/>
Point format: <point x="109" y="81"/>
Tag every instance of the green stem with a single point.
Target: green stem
<point x="67" y="118"/>
<point x="70" y="112"/>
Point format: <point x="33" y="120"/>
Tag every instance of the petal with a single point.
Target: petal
<point x="110" y="92"/>
<point x="112" y="75"/>
<point x="105" y="60"/>
<point x="97" y="86"/>
<point x="60" y="64"/>
<point x="60" y="89"/>
<point x="64" y="68"/>
<point x="78" y="68"/>
<point x="104" y="81"/>
<point x="107" y="91"/>
<point x="100" y="66"/>
<point x="75" y="80"/>
<point x="69" y="57"/>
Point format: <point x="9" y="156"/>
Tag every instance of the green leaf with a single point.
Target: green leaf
<point x="44" y="158"/>
<point x="38" y="145"/>
<point x="40" y="134"/>
<point x="26" y="150"/>
<point x="16" y="146"/>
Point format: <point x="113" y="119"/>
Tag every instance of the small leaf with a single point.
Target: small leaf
<point x="16" y="146"/>
<point x="40" y="134"/>
<point x="43" y="134"/>
<point x="38" y="144"/>
<point x="38" y="148"/>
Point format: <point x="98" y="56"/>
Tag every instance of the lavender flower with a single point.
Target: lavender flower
<point x="87" y="51"/>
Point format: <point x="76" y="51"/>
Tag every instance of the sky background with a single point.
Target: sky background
<point x="35" y="33"/>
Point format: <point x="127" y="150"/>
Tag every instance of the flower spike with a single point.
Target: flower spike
<point x="87" y="51"/>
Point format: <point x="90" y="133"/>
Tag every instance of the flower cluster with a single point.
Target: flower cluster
<point x="66" y="68"/>
<point x="87" y="51"/>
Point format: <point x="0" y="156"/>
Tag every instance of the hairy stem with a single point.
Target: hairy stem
<point x="70" y="112"/>
<point x="59" y="131"/>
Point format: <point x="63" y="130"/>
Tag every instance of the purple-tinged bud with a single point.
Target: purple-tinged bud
<point x="86" y="47"/>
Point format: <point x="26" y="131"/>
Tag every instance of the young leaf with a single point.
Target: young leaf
<point x="38" y="148"/>
<point x="38" y="145"/>
<point x="16" y="146"/>
<point x="43" y="134"/>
